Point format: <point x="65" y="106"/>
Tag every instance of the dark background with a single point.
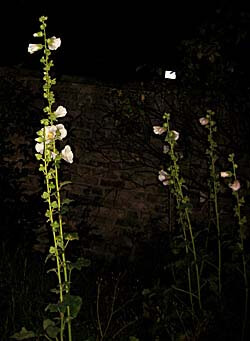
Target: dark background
<point x="107" y="40"/>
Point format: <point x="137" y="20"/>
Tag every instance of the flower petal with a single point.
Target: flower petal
<point x="60" y="111"/>
<point x="159" y="130"/>
<point x="235" y="186"/>
<point x="203" y="121"/>
<point x="39" y="147"/>
<point x="67" y="154"/>
<point x="54" y="43"/>
<point x="34" y="47"/>
<point x="62" y="131"/>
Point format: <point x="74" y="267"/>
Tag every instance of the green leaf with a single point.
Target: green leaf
<point x="53" y="331"/>
<point x="54" y="204"/>
<point x="41" y="168"/>
<point x="74" y="302"/>
<point x="23" y="334"/>
<point x="38" y="156"/>
<point x="39" y="139"/>
<point x="50" y="327"/>
<point x="66" y="201"/>
<point x="45" y="195"/>
<point x="53" y="308"/>
<point x="71" y="236"/>
<point x="79" y="264"/>
<point x="47" y="323"/>
<point x="52" y="250"/>
<point x="54" y="225"/>
<point x="64" y="183"/>
<point x="45" y="121"/>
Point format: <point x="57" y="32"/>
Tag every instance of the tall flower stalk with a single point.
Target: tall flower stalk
<point x="50" y="158"/>
<point x="214" y="184"/>
<point x="235" y="186"/>
<point x="183" y="204"/>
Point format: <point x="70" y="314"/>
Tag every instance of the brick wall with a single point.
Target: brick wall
<point x="116" y="157"/>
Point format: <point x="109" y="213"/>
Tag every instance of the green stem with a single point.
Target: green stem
<point x="244" y="262"/>
<point x="179" y="192"/>
<point x="214" y="191"/>
<point x="67" y="284"/>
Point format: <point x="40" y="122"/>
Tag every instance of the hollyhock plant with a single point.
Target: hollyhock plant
<point x="67" y="305"/>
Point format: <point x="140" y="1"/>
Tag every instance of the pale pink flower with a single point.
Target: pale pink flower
<point x="54" y="43"/>
<point x="67" y="154"/>
<point x="159" y="130"/>
<point x="235" y="186"/>
<point x="164" y="177"/>
<point x="203" y="121"/>
<point x="53" y="155"/>
<point x="224" y="174"/>
<point x="60" y="111"/>
<point x="34" y="47"/>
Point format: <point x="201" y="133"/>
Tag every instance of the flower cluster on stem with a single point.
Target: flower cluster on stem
<point x="174" y="179"/>
<point x="50" y="158"/>
<point x="214" y="185"/>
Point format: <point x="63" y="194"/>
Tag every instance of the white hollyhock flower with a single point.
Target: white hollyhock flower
<point x="176" y="134"/>
<point x="54" y="43"/>
<point x="170" y="74"/>
<point x="67" y="154"/>
<point x="62" y="131"/>
<point x="50" y="134"/>
<point x="60" y="111"/>
<point x="224" y="174"/>
<point x="164" y="177"/>
<point x="159" y="130"/>
<point x="39" y="147"/>
<point x="34" y="47"/>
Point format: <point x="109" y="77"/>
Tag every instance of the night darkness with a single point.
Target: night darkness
<point x="160" y="212"/>
<point x="107" y="40"/>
